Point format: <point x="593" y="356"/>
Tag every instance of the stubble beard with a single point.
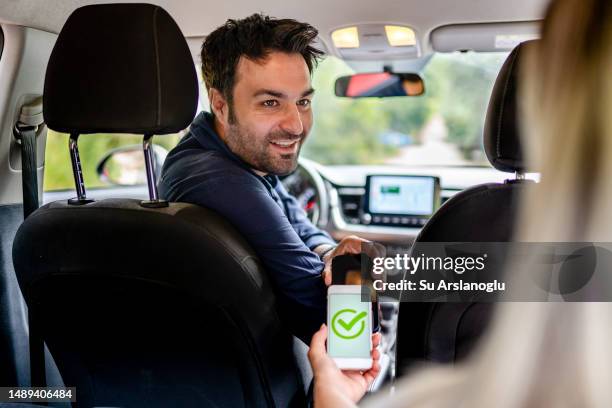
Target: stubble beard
<point x="258" y="155"/>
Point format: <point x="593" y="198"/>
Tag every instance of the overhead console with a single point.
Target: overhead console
<point x="398" y="200"/>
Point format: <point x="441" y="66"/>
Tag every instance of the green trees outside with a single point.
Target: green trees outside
<point x="92" y="148"/>
<point x="460" y="87"/>
<point x="346" y="131"/>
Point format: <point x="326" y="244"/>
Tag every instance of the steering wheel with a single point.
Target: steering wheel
<point x="308" y="187"/>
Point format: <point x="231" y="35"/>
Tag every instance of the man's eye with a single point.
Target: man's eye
<point x="304" y="102"/>
<point x="270" y="103"/>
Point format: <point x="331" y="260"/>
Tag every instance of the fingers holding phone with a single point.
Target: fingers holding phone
<point x="336" y="386"/>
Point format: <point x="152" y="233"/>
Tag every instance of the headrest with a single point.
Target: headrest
<point x="120" y="68"/>
<point x="501" y="131"/>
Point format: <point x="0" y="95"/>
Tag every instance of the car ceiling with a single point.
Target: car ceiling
<point x="198" y="17"/>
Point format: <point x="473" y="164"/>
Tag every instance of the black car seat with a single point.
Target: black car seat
<point x="446" y="332"/>
<point x="144" y="303"/>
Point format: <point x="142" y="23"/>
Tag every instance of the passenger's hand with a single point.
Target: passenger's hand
<point x="334" y="387"/>
<point x="348" y="245"/>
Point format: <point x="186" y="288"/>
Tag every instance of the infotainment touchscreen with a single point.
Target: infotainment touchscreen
<point x="401" y="195"/>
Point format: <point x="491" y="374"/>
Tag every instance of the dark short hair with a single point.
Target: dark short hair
<point x="253" y="37"/>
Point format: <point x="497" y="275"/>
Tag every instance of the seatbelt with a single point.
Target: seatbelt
<point x="25" y="131"/>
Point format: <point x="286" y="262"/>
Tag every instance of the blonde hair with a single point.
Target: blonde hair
<point x="568" y="110"/>
<point x="549" y="354"/>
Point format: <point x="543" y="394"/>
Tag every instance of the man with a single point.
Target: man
<point x="258" y="75"/>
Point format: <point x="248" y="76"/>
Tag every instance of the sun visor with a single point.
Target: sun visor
<point x="485" y="37"/>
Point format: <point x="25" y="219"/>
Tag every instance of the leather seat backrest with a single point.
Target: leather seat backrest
<point x="142" y="306"/>
<point x="447" y="332"/>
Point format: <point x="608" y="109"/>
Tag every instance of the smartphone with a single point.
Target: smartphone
<point x="346" y="270"/>
<point x="349" y="325"/>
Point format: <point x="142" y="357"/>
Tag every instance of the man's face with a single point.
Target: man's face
<point x="271" y="112"/>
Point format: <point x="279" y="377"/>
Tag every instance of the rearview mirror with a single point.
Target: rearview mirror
<point x="125" y="166"/>
<point x="380" y="85"/>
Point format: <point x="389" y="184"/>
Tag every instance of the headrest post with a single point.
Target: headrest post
<point x="154" y="201"/>
<point x="77" y="172"/>
<point x="147" y="146"/>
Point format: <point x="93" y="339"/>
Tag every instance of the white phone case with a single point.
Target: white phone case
<point x="360" y="363"/>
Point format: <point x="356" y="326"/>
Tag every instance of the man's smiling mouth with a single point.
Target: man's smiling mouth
<point x="285" y="143"/>
<point x="285" y="146"/>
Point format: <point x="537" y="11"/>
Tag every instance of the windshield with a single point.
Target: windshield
<point x="443" y="127"/>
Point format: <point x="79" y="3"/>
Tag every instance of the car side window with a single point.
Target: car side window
<point x="92" y="149"/>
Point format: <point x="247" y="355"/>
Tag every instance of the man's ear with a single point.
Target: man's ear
<point x="218" y="105"/>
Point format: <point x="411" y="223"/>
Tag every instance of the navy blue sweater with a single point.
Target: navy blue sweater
<point x="202" y="170"/>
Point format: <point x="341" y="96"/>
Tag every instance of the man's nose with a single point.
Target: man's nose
<point x="292" y="122"/>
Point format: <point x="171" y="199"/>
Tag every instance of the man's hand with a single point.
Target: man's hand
<point x="348" y="245"/>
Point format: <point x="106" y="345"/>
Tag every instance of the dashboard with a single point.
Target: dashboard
<point x="386" y="204"/>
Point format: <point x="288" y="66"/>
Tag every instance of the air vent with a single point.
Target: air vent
<point x="350" y="203"/>
<point x="446" y="195"/>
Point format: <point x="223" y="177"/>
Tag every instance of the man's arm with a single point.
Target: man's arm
<point x="317" y="240"/>
<point x="323" y="250"/>
<point x="314" y="238"/>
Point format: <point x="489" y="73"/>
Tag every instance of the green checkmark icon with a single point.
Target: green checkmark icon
<point x="348" y="326"/>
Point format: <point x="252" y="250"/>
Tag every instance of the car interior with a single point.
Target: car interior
<point x="137" y="301"/>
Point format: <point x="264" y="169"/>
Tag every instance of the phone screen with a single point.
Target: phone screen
<point x="349" y="326"/>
